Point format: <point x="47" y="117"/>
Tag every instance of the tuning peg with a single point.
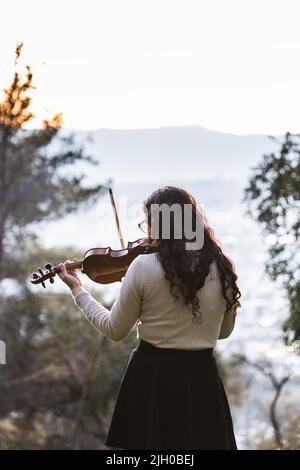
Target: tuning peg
<point x="42" y="274"/>
<point x="49" y="267"/>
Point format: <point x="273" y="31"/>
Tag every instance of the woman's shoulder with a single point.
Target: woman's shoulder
<point x="144" y="268"/>
<point x="145" y="259"/>
<point x="145" y="263"/>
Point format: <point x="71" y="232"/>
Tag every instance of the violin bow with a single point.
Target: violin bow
<point x="112" y="200"/>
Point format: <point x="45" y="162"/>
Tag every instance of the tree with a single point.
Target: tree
<point x="45" y="390"/>
<point x="37" y="180"/>
<point x="60" y="383"/>
<point x="265" y="368"/>
<point x="275" y="189"/>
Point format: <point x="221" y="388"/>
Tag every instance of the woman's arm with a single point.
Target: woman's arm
<point x="227" y="324"/>
<point x="228" y="320"/>
<point x="118" y="322"/>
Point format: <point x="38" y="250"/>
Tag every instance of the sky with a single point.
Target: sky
<point x="231" y="66"/>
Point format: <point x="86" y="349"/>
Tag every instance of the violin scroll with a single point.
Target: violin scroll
<point x="42" y="277"/>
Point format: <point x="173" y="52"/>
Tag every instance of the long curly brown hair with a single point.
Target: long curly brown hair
<point x="186" y="270"/>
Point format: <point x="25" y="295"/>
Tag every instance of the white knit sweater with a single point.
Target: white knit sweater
<point x="145" y="302"/>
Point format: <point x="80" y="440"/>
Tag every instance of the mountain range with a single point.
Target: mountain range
<point x="172" y="153"/>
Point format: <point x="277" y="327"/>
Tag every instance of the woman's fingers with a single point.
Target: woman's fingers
<point x="74" y="273"/>
<point x="69" y="276"/>
<point x="64" y="269"/>
<point x="62" y="273"/>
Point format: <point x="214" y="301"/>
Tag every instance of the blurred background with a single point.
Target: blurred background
<point x="202" y="95"/>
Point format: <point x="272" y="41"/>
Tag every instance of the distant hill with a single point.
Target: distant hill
<point x="172" y="153"/>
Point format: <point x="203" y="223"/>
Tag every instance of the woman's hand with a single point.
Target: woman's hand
<point x="69" y="277"/>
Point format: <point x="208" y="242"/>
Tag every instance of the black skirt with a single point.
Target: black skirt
<point x="171" y="399"/>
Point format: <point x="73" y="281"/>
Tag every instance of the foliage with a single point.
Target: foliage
<point x="49" y="390"/>
<point x="61" y="379"/>
<point x="37" y="171"/>
<point x="275" y="190"/>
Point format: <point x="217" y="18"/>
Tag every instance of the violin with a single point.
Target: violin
<point x="101" y="265"/>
